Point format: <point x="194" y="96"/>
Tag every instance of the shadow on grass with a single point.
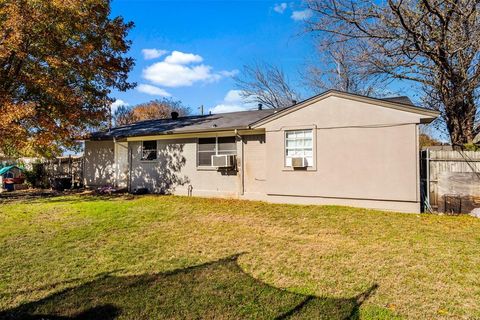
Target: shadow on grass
<point x="52" y="286"/>
<point x="218" y="289"/>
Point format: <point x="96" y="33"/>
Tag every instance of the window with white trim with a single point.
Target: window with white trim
<point x="298" y="143"/>
<point x="149" y="150"/>
<point x="208" y="147"/>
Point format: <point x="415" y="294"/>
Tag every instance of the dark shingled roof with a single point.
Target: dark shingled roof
<point x="400" y="99"/>
<point x="213" y="122"/>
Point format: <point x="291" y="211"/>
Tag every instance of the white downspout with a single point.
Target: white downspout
<point x="115" y="162"/>
<point x="241" y="188"/>
<point x="130" y="159"/>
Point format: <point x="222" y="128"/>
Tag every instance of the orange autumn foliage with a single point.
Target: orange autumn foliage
<point x="59" y="61"/>
<point x="155" y="109"/>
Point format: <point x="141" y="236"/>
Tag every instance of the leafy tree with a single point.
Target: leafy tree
<point x="155" y="109"/>
<point x="122" y="116"/>
<point x="59" y="61"/>
<point x="435" y="43"/>
<point x="266" y="84"/>
<point x="427" y="141"/>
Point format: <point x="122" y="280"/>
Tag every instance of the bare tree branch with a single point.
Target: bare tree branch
<point x="433" y="42"/>
<point x="341" y="67"/>
<point x="266" y="84"/>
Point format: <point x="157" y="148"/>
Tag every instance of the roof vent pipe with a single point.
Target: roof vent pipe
<point x="260" y="106"/>
<point x="174" y="115"/>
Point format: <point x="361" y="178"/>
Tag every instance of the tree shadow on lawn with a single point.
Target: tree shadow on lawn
<point x="217" y="289"/>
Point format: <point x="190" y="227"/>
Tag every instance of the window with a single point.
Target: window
<point x="149" y="150"/>
<point x="298" y="143"/>
<point x="208" y="147"/>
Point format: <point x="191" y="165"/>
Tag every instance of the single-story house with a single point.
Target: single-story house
<point x="334" y="148"/>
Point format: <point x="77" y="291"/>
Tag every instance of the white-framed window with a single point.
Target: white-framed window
<point x="208" y="147"/>
<point x="298" y="143"/>
<point x="149" y="150"/>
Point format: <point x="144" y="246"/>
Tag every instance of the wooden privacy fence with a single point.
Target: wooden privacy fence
<point x="450" y="180"/>
<point x="66" y="168"/>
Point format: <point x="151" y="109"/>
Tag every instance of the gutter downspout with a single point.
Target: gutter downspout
<point x="115" y="162"/>
<point x="130" y="166"/>
<point x="241" y="188"/>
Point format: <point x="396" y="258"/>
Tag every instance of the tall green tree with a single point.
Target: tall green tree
<point x="59" y="61"/>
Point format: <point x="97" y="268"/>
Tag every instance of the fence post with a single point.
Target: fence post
<point x="427" y="177"/>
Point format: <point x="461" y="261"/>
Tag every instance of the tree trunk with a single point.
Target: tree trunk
<point x="461" y="122"/>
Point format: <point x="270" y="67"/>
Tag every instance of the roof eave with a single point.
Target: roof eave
<point x="429" y="115"/>
<point x="194" y="131"/>
<point x="173" y="132"/>
<point x="427" y="120"/>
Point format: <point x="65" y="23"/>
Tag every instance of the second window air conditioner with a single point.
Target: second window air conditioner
<point x="299" y="162"/>
<point x="223" y="161"/>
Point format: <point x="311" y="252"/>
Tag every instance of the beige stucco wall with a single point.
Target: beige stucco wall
<point x="365" y="155"/>
<point x="176" y="169"/>
<point x="99" y="163"/>
<point x="255" y="166"/>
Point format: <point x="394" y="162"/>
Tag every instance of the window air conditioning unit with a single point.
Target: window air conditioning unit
<point x="299" y="162"/>
<point x="223" y="161"/>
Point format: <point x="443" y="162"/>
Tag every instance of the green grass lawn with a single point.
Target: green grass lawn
<point x="166" y="257"/>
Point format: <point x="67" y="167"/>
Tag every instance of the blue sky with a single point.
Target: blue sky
<point x="194" y="47"/>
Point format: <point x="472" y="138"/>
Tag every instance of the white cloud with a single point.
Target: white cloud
<point x="302" y="15"/>
<point x="118" y="103"/>
<point x="229" y="74"/>
<point x="225" y="108"/>
<point x="174" y="75"/>
<point x="149" y="54"/>
<point x="177" y="57"/>
<point x="280" y="7"/>
<point x="182" y="70"/>
<point x="152" y="90"/>
<point x="232" y="102"/>
<point x="234" y="96"/>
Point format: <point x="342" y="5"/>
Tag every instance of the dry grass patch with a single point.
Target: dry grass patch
<point x="425" y="266"/>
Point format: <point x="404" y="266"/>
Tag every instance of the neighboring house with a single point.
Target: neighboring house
<point x="335" y="148"/>
<point x="12" y="174"/>
<point x="25" y="162"/>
